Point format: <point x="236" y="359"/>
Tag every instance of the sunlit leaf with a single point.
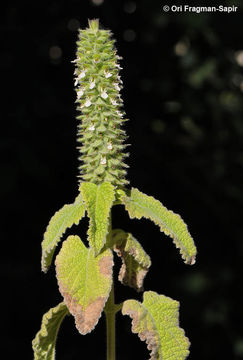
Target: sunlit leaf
<point x="98" y="201"/>
<point x="155" y="320"/>
<point x="140" y="205"/>
<point x="64" y="218"/>
<point x="135" y="261"/>
<point x="45" y="340"/>
<point x="84" y="281"/>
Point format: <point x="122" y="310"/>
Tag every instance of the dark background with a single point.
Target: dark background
<point x="183" y="87"/>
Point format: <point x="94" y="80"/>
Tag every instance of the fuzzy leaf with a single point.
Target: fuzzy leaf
<point x="156" y="322"/>
<point x="84" y="281"/>
<point x="64" y="218"/>
<point x="140" y="205"/>
<point x="98" y="201"/>
<point x="119" y="194"/>
<point x="135" y="261"/>
<point x="45" y="340"/>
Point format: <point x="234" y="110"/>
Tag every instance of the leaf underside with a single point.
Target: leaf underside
<point x="155" y="320"/>
<point x="98" y="201"/>
<point x="45" y="340"/>
<point x="135" y="261"/>
<point x="140" y="205"/>
<point x="67" y="216"/>
<point x="84" y="281"/>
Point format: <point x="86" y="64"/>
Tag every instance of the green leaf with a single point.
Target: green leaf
<point x="98" y="201"/>
<point x="119" y="194"/>
<point x="135" y="261"/>
<point x="140" y="205"/>
<point x="45" y="340"/>
<point x="84" y="281"/>
<point x="63" y="219"/>
<point x="156" y="322"/>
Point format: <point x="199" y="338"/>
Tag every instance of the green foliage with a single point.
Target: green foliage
<point x="63" y="219"/>
<point x="135" y="261"/>
<point x="84" y="274"/>
<point x="45" y="340"/>
<point x="84" y="281"/>
<point x="98" y="201"/>
<point x="156" y="322"/>
<point x="140" y="205"/>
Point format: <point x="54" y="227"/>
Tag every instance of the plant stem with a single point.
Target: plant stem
<point x="110" y="313"/>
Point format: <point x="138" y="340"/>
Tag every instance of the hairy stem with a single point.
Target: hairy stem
<point x="110" y="313"/>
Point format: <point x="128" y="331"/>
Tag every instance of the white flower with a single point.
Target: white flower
<point x="104" y="94"/>
<point x="76" y="82"/>
<point x="82" y="74"/>
<point x="92" y="127"/>
<point x="107" y="74"/>
<point x="103" y="160"/>
<point x="92" y="84"/>
<point x="87" y="103"/>
<point x="109" y="146"/>
<point x="119" y="113"/>
<point x="116" y="86"/>
<point x="113" y="102"/>
<point x="76" y="60"/>
<point x="80" y="93"/>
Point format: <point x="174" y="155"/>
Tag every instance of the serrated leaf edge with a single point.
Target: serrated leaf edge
<point x="121" y="251"/>
<point x="69" y="303"/>
<point x="54" y="243"/>
<point x="92" y="220"/>
<point x="189" y="259"/>
<point x="148" y="336"/>
<point x="152" y="346"/>
<point x="43" y="332"/>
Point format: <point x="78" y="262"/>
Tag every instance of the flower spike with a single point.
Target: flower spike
<point x="98" y="84"/>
